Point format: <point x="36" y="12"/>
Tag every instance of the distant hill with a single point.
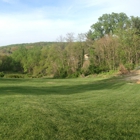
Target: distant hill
<point x="8" y="49"/>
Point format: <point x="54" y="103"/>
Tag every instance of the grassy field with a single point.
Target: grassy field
<point x="69" y="109"/>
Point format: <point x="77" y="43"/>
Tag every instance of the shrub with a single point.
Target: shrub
<point x="1" y="74"/>
<point x="62" y="73"/>
<point x="14" y="76"/>
<point x="129" y="66"/>
<point x="74" y="75"/>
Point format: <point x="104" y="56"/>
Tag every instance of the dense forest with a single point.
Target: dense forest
<point x="112" y="43"/>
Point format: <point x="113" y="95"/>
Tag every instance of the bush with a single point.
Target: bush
<point x="97" y="69"/>
<point x="1" y="74"/>
<point x="74" y="75"/>
<point x="62" y="73"/>
<point x="14" y="76"/>
<point x="129" y="66"/>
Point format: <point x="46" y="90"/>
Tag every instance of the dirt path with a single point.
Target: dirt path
<point x="133" y="76"/>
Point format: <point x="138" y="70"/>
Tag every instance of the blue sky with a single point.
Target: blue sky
<point x="25" y="21"/>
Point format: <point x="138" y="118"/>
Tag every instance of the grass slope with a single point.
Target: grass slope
<point x="69" y="109"/>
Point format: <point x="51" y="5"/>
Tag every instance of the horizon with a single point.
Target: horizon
<point x="44" y="21"/>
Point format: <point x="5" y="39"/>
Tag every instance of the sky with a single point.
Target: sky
<point x="28" y="21"/>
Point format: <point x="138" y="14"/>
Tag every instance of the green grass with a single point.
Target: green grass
<point x="69" y="109"/>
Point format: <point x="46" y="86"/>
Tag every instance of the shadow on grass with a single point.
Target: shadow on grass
<point x="111" y="83"/>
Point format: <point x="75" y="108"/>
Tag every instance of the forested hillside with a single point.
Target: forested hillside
<point x="112" y="42"/>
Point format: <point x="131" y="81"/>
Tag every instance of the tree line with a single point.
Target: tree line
<point x="111" y="42"/>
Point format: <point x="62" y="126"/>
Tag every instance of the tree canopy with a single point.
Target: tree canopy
<point x="108" y="24"/>
<point x="113" y="41"/>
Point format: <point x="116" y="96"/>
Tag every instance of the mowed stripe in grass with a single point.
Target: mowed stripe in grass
<point x="69" y="109"/>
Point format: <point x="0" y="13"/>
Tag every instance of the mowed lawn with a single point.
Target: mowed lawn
<point x="69" y="109"/>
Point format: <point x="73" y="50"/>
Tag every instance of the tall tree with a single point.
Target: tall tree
<point x="135" y="24"/>
<point x="108" y="24"/>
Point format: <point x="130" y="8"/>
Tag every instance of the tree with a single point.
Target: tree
<point x="129" y="48"/>
<point x="6" y="63"/>
<point x="108" y="24"/>
<point x="20" y="57"/>
<point x="70" y="37"/>
<point x="135" y="24"/>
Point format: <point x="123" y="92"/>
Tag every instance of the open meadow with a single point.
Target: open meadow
<point x="94" y="108"/>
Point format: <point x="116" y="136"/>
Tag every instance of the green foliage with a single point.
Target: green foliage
<point x="129" y="66"/>
<point x="113" y="40"/>
<point x="6" y="63"/>
<point x="14" y="76"/>
<point x="107" y="24"/>
<point x="74" y="75"/>
<point x="135" y="23"/>
<point x="60" y="74"/>
<point x="2" y="74"/>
